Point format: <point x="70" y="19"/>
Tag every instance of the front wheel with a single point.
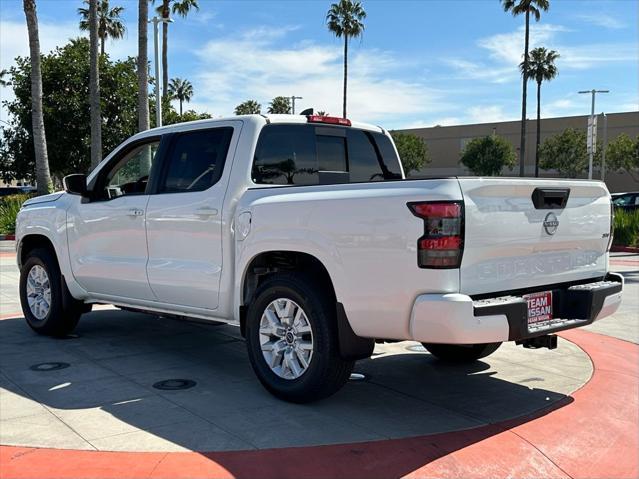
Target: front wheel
<point x="461" y="353"/>
<point x="291" y="336"/>
<point x="47" y="305"/>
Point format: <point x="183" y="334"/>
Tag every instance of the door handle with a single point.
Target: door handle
<point x="135" y="212"/>
<point x="205" y="211"/>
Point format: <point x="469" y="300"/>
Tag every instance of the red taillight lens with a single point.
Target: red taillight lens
<point x="331" y="120"/>
<point x="442" y="243"/>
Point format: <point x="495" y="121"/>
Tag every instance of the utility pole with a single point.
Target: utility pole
<point x="156" y="43"/>
<point x="293" y="98"/>
<point x="604" y="147"/>
<point x="592" y="129"/>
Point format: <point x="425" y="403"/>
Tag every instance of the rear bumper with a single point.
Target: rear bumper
<point x="458" y="319"/>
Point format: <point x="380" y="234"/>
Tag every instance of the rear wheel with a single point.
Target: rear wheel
<point x="47" y="305"/>
<point x="461" y="353"/>
<point x="291" y="336"/>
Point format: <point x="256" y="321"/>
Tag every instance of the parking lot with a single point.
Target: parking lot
<point x="95" y="400"/>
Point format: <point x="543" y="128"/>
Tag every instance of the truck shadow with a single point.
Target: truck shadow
<point x="104" y="391"/>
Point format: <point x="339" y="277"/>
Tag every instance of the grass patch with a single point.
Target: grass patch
<point x="9" y="207"/>
<point x="626" y="228"/>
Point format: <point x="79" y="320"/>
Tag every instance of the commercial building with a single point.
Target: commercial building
<point x="446" y="143"/>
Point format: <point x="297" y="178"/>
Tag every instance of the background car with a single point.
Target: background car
<point x="627" y="201"/>
<point x="16" y="190"/>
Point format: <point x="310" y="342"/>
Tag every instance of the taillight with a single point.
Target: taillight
<point x="331" y="120"/>
<point x="442" y="245"/>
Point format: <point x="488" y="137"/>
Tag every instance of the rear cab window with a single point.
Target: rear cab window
<point x="319" y="155"/>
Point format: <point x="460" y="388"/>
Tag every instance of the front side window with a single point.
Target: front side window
<point x="310" y="155"/>
<point x="130" y="175"/>
<point x="196" y="160"/>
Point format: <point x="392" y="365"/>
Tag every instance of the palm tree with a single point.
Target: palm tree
<point x="110" y="24"/>
<point x="182" y="90"/>
<point x="345" y="19"/>
<point x="280" y="105"/>
<point x="143" y="66"/>
<point x="181" y="8"/>
<point x="528" y="7"/>
<point x="541" y="67"/>
<point x="248" y="107"/>
<point x="94" y="86"/>
<point x="43" y="176"/>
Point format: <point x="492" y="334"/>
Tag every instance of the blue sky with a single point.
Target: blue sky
<point x="419" y="63"/>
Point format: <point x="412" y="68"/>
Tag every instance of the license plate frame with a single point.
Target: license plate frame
<point x="539" y="308"/>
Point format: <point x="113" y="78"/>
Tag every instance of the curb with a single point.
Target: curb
<point x="7" y="237"/>
<point x="624" y="249"/>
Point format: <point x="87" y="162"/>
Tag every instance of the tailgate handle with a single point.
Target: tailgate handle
<point x="550" y="198"/>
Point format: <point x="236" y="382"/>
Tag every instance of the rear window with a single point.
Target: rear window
<point x="312" y="155"/>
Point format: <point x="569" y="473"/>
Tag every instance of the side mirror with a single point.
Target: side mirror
<point x="75" y="184"/>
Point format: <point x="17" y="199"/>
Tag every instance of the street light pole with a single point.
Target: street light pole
<point x="293" y="98"/>
<point x="156" y="43"/>
<point x="591" y="152"/>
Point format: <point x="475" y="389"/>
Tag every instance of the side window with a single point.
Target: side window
<point x="196" y="160"/>
<point x="130" y="175"/>
<point x="285" y="155"/>
<point x="364" y="158"/>
<point x="389" y="162"/>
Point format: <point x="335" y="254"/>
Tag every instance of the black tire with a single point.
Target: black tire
<point x="461" y="353"/>
<point x="327" y="372"/>
<point x="64" y="310"/>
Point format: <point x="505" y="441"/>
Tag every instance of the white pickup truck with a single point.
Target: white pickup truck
<point x="303" y="232"/>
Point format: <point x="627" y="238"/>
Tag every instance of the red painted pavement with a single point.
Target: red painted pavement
<point x="594" y="434"/>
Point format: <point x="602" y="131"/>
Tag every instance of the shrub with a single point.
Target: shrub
<point x="626" y="228"/>
<point x="488" y="155"/>
<point x="9" y="207"/>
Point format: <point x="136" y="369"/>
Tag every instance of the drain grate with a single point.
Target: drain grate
<point x="52" y="366"/>
<point x="416" y="348"/>
<point x="174" y="384"/>
<point x="357" y="377"/>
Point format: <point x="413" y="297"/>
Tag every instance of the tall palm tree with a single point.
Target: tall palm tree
<point x="346" y="19"/>
<point x="248" y="107"/>
<point x="541" y="67"/>
<point x="181" y="8"/>
<point x="110" y="24"/>
<point x="94" y="86"/>
<point x="43" y="176"/>
<point x="534" y="8"/>
<point x="182" y="90"/>
<point x="143" y="66"/>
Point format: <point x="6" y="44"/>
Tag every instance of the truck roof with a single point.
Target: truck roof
<point x="295" y="119"/>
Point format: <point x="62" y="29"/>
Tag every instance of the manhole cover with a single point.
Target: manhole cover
<point x="53" y="366"/>
<point x="174" y="384"/>
<point x="416" y="348"/>
<point x="358" y="377"/>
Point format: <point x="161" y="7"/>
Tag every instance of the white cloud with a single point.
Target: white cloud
<point x="602" y="20"/>
<point x="488" y="114"/>
<point x="252" y="65"/>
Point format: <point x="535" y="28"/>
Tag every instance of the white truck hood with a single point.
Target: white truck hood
<point x="43" y="199"/>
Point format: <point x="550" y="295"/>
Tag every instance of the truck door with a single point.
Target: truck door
<point x="184" y="217"/>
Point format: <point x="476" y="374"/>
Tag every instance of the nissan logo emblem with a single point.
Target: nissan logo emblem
<point x="551" y="223"/>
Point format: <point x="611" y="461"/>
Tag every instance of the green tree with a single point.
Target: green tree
<point x="488" y="155"/>
<point x="110" y="25"/>
<point x="248" y="107"/>
<point x="177" y="7"/>
<point x="413" y="151"/>
<point x="33" y="89"/>
<point x="541" y="67"/>
<point x="170" y="116"/>
<point x="566" y="152"/>
<point x="346" y="20"/>
<point x="280" y="104"/>
<point x="3" y="74"/>
<point x="528" y="8"/>
<point x="66" y="110"/>
<point x="182" y="90"/>
<point x="622" y="154"/>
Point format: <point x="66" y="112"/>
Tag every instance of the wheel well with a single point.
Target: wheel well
<point x="270" y="262"/>
<point x="31" y="242"/>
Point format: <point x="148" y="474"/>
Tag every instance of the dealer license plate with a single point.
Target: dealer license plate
<point x="539" y="308"/>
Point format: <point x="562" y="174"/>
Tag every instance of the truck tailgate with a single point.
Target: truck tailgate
<point x="512" y="242"/>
